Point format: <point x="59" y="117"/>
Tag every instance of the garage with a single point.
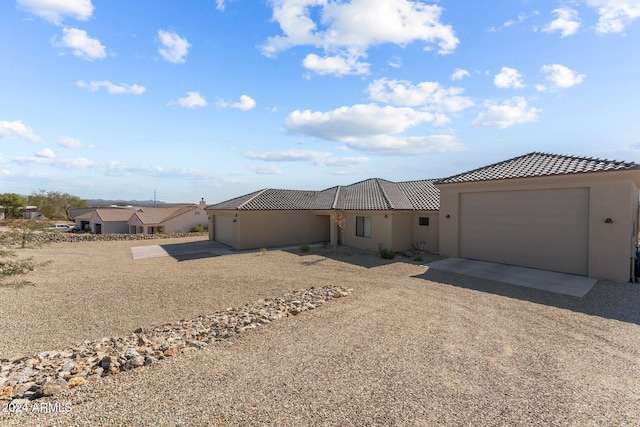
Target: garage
<point x="224" y="227"/>
<point x="547" y="229"/>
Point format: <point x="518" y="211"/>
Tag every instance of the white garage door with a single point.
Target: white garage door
<point x="224" y="229"/>
<point x="547" y="229"/>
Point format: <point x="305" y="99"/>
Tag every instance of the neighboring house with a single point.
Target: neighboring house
<point x="179" y="219"/>
<point x="27" y="212"/>
<point x="570" y="214"/>
<point x="377" y="213"/>
<point x="105" y="221"/>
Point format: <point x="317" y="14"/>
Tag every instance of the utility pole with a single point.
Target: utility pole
<point x="155" y="202"/>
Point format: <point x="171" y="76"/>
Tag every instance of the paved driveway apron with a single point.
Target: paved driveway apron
<point x="180" y="249"/>
<point x="561" y="283"/>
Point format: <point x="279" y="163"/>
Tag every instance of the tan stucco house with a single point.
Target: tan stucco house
<point x="377" y="214"/>
<point x="105" y="221"/>
<point x="179" y="219"/>
<point x="147" y="220"/>
<point x="563" y="213"/>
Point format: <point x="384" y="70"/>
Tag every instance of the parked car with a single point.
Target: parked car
<point x="58" y="227"/>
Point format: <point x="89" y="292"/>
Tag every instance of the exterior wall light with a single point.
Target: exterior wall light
<point x="608" y="221"/>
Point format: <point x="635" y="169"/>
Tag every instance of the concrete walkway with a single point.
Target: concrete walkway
<point x="181" y="250"/>
<point x="561" y="283"/>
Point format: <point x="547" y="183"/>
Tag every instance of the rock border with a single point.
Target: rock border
<point x="23" y="379"/>
<point x="60" y="237"/>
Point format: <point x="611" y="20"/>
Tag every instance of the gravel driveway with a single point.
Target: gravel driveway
<point x="407" y="347"/>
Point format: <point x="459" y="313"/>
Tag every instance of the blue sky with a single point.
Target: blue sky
<point x="215" y="99"/>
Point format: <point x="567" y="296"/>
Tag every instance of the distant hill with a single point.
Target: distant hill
<point x="105" y="202"/>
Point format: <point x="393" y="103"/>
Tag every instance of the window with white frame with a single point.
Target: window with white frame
<point x="363" y="226"/>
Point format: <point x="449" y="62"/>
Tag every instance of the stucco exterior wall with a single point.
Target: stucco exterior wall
<point x="256" y="229"/>
<point x="380" y="230"/>
<point x="611" y="195"/>
<point x="401" y="230"/>
<point x="223" y="228"/>
<point x="429" y="234"/>
<point x="185" y="222"/>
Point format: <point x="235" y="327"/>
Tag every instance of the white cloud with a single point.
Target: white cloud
<point x="173" y="47"/>
<point x="508" y="78"/>
<point x="346" y="161"/>
<point x="192" y="100"/>
<point x="112" y="88"/>
<point x="55" y="11"/>
<point x="17" y="130"/>
<point x="615" y="15"/>
<point x="246" y="103"/>
<point x="321" y="158"/>
<point x="220" y="5"/>
<point x="269" y="169"/>
<point x="346" y="30"/>
<point x="338" y="65"/>
<point x="113" y="168"/>
<point x="70" y="142"/>
<point x="46" y="153"/>
<point x="371" y="128"/>
<point x="289" y="156"/>
<point x="459" y="74"/>
<point x="512" y="22"/>
<point x="359" y="121"/>
<point x="391" y="145"/>
<point x="429" y="95"/>
<point x="81" y="44"/>
<point x="567" y="22"/>
<point x="514" y="111"/>
<point x="561" y="76"/>
<point x="78" y="163"/>
<point x="395" y="62"/>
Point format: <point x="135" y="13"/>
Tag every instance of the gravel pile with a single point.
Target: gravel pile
<point x="409" y="346"/>
<point x="28" y="378"/>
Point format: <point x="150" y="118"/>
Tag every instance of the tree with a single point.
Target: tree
<point x="9" y="265"/>
<point x="341" y="221"/>
<point x="56" y="205"/>
<point x="12" y="202"/>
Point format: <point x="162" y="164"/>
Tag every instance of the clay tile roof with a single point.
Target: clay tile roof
<point x="365" y="195"/>
<point x="85" y="216"/>
<point x="115" y="214"/>
<point x="422" y="194"/>
<point x="236" y="202"/>
<point x="159" y="215"/>
<point x="370" y="194"/>
<point x="539" y="164"/>
<point x="276" y="199"/>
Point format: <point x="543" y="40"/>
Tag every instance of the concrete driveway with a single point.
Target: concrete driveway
<point x="561" y="283"/>
<point x="182" y="251"/>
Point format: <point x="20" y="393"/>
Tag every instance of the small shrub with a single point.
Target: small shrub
<point x="304" y="248"/>
<point x="418" y="258"/>
<point x="199" y="229"/>
<point x="387" y="253"/>
<point x="263" y="251"/>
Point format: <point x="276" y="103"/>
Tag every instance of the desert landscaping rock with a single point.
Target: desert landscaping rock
<point x="57" y="370"/>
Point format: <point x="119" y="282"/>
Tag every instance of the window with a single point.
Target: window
<point x="423" y="220"/>
<point x="363" y="226"/>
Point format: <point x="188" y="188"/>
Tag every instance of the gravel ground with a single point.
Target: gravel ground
<point x="409" y="346"/>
